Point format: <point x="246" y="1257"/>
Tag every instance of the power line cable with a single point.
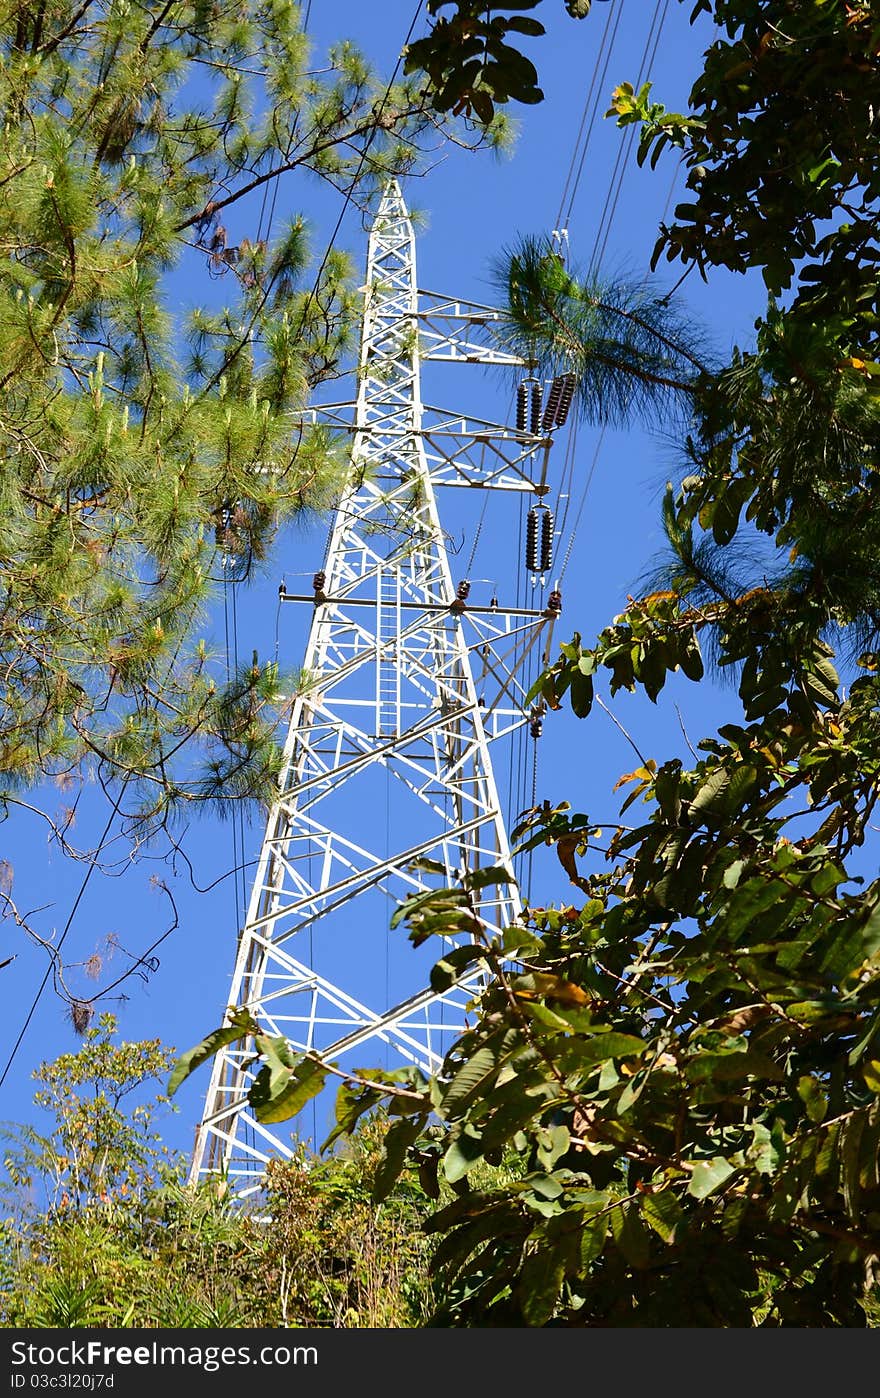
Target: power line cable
<point x="600" y="244"/>
<point x="577" y="161"/>
<point x="623" y="153"/>
<point x="566" y="480"/>
<point x="589" y="97"/>
<point x="582" y="503"/>
<point x="617" y="7"/>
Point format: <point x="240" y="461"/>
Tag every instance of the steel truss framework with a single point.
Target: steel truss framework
<point x="405" y="689"/>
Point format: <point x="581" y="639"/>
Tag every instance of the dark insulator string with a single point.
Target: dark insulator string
<point x="566" y="394"/>
<point x="535" y="420"/>
<point x="546" y="540"/>
<point x="532" y="540"/>
<point x="522" y="406"/>
<point x="553" y="399"/>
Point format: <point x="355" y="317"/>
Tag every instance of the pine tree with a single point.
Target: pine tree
<point x="139" y="444"/>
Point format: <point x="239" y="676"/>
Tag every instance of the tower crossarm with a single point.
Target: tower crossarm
<point x="450" y="331"/>
<point x="461" y="449"/>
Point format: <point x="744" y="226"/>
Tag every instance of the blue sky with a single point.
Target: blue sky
<point x="471" y="207"/>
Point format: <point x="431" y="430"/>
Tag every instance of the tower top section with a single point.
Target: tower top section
<point x="392" y="204"/>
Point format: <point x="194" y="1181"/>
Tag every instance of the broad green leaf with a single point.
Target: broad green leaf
<point x="540" y="1282"/>
<point x="551" y="988"/>
<point x="853" y="946"/>
<point x="581" y="693"/>
<point x="725" y="515"/>
<point x="631" y="1093"/>
<point x="733" y="873"/>
<point x="594" y="1231"/>
<point x="631" y="1235"/>
<point x="708" y="1176"/>
<point x="472" y="1076"/>
<point x="708" y="798"/>
<point x="822" y="681"/>
<point x="439" y="898"/>
<point x="521" y="25"/>
<point x="284" y="1099"/>
<point x="464" y="1233"/>
<point x="353" y="1100"/>
<point x="241" y="1026"/>
<point x="735" y="1210"/>
<point x="428" y="1167"/>
<point x="827" y="1156"/>
<point x="395" y="1144"/>
<point x="662" y="1211"/>
<point x="482" y="878"/>
<point x="766" y="1152"/>
<point x="742" y="781"/>
<point x="610" y="1045"/>
<point x="462" y="1154"/>
<point x="609" y="1076"/>
<point x="866" y="1040"/>
<point x="543" y="1186"/>
<point x="813" y="1097"/>
<point x="871" y="1074"/>
<point x="544" y="1015"/>
<point x="730" y="1067"/>
<point x="552" y="1143"/>
<point x="690" y="659"/>
<point x="850" y="1143"/>
<point x="453" y="965"/>
<point x="826" y="879"/>
<point x="428" y="866"/>
<point x="277" y="1052"/>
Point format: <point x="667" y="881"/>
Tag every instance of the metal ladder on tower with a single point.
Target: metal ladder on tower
<point x="388" y="614"/>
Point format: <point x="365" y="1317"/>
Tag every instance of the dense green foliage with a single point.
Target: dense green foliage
<point x="100" y="1230"/>
<point x="100" y="1146"/>
<point x="687" y="1058"/>
<point x="471" y="63"/>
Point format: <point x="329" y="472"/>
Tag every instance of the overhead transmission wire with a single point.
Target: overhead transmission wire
<point x="600" y="243"/>
<point x="517" y="754"/>
<point x="658" y="19"/>
<point x="117" y="803"/>
<point x="598" y="252"/>
<point x="576" y="167"/>
<point x="520" y="794"/>
<point x="582" y="140"/>
<point x="523" y="785"/>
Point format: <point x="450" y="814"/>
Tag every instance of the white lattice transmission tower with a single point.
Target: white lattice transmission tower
<point x="406" y="688"/>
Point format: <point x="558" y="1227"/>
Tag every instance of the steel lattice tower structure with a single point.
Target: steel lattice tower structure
<point x="405" y="688"/>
